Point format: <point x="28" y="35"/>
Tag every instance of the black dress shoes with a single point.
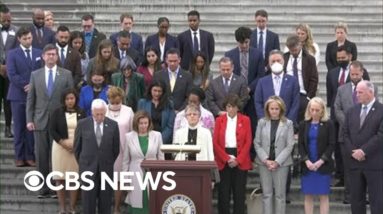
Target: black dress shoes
<point x="8" y="132"/>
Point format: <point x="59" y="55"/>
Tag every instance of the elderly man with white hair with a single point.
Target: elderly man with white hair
<point x="97" y="145"/>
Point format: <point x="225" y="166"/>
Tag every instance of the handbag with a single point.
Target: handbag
<point x="254" y="202"/>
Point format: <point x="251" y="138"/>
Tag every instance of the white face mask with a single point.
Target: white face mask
<point x="276" y="68"/>
<point x="115" y="107"/>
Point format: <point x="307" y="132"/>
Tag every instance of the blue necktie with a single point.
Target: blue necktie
<point x="260" y="43"/>
<point x="226" y="86"/>
<point x="29" y="58"/>
<point x="50" y="83"/>
<point x="62" y="56"/>
<point x="195" y="42"/>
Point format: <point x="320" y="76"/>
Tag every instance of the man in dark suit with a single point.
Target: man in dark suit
<point x="124" y="49"/>
<point x="44" y="96"/>
<point x="7" y="42"/>
<point x="41" y="35"/>
<point x="193" y="40"/>
<point x="223" y="85"/>
<point x="96" y="147"/>
<point x="69" y="58"/>
<point x="248" y="63"/>
<point x="363" y="134"/>
<point x="127" y="22"/>
<point x="341" y="40"/>
<point x="178" y="81"/>
<point x="92" y="36"/>
<point x="21" y="61"/>
<point x="279" y="84"/>
<point x="300" y="64"/>
<point x="262" y="38"/>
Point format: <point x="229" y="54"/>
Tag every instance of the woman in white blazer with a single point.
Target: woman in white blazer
<point x="274" y="143"/>
<point x="141" y="144"/>
<point x="194" y="134"/>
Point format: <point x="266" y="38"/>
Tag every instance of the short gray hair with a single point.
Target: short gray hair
<point x="192" y="108"/>
<point x="276" y="51"/>
<point x="99" y="104"/>
<point x="369" y="85"/>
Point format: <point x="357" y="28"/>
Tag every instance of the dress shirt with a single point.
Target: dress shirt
<point x="277" y="86"/>
<point x="101" y="126"/>
<point x="231" y="131"/>
<point x="25" y="53"/>
<point x="369" y="106"/>
<point x="264" y="39"/>
<point x="198" y="37"/>
<point x="224" y="79"/>
<point x="65" y="51"/>
<point x="289" y="70"/>
<point x="4" y="35"/>
<point x="54" y="70"/>
<point x="346" y="73"/>
<point x="162" y="50"/>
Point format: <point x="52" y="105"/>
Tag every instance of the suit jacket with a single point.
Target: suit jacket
<point x="272" y="43"/>
<point x="289" y="93"/>
<point x="184" y="83"/>
<point x="90" y="156"/>
<point x="368" y="137"/>
<point x="154" y="42"/>
<point x="10" y="43"/>
<point x="309" y="72"/>
<point x="185" y="41"/>
<point x="167" y="119"/>
<point x="215" y="93"/>
<point x="19" y="72"/>
<point x="39" y="105"/>
<point x="133" y="156"/>
<point x="96" y="39"/>
<point x="204" y="140"/>
<point x="58" y="127"/>
<point x="325" y="145"/>
<point x="136" y="88"/>
<point x="284" y="142"/>
<point x="343" y="102"/>
<point x="243" y="135"/>
<point x="135" y="42"/>
<point x="87" y="96"/>
<point x="331" y="50"/>
<point x="132" y="53"/>
<point x="72" y="63"/>
<point x="256" y="66"/>
<point x="48" y="37"/>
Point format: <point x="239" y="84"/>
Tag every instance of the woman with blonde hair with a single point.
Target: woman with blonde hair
<point x="274" y="143"/>
<point x="305" y="35"/>
<point x="316" y="144"/>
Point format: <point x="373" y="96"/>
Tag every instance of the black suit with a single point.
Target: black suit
<point x="185" y="41"/>
<point x="96" y="159"/>
<point x="133" y="53"/>
<point x="331" y="50"/>
<point x="369" y="172"/>
<point x="183" y="84"/>
<point x="272" y="43"/>
<point x="48" y="37"/>
<point x="97" y="37"/>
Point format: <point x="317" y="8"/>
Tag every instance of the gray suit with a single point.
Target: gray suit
<point x="215" y="94"/>
<point x="9" y="44"/>
<point x="39" y="108"/>
<point x="284" y="143"/>
<point x="97" y="159"/>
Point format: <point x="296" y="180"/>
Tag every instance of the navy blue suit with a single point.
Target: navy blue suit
<point x="153" y="41"/>
<point x="272" y="43"/>
<point x="135" y="41"/>
<point x="87" y="96"/>
<point x="19" y="74"/>
<point x="289" y="93"/>
<point x="167" y="119"/>
<point x="48" y="37"/>
<point x="185" y="41"/>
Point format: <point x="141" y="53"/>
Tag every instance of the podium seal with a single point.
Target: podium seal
<point x="178" y="204"/>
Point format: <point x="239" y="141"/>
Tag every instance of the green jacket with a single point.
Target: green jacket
<point x="136" y="88"/>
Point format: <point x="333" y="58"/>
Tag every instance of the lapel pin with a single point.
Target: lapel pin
<point x="373" y="109"/>
<point x="106" y="125"/>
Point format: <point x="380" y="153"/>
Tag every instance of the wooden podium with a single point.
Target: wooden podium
<point x="193" y="193"/>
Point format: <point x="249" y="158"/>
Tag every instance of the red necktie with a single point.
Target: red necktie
<point x="342" y="77"/>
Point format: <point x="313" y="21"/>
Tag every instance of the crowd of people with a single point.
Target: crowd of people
<point x="82" y="102"/>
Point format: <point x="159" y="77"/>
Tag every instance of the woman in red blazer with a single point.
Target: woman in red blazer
<point x="232" y="142"/>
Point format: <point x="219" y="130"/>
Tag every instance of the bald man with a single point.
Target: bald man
<point x="41" y="35"/>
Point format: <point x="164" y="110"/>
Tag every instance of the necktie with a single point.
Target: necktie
<point x="226" y="86"/>
<point x="354" y="99"/>
<point x="172" y="80"/>
<point x="195" y="42"/>
<point x="39" y="34"/>
<point x="295" y="67"/>
<point x="62" y="56"/>
<point x="122" y="54"/>
<point x="260" y="43"/>
<point x="363" y="115"/>
<point x="244" y="64"/>
<point x="98" y="134"/>
<point x="50" y="83"/>
<point x="29" y="58"/>
<point x="342" y="77"/>
<point x="277" y="87"/>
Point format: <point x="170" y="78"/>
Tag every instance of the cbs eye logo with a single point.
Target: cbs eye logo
<point x="33" y="181"/>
